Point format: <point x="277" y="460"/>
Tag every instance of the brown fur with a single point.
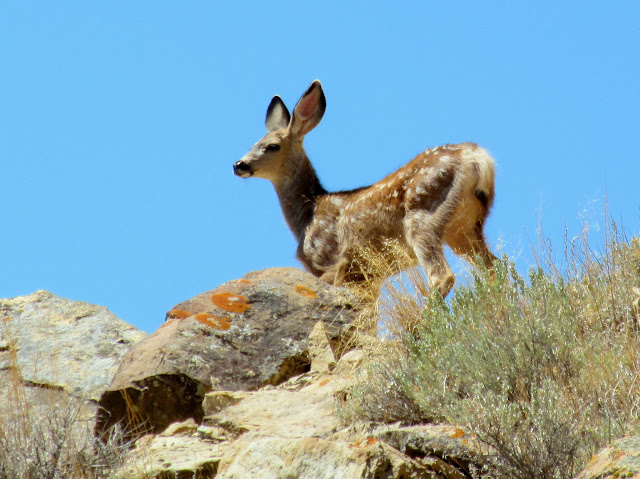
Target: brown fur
<point x="442" y="196"/>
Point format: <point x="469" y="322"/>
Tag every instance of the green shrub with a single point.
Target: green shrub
<point x="544" y="370"/>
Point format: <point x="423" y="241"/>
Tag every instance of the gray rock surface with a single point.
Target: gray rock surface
<point x="56" y="358"/>
<point x="60" y="344"/>
<point x="243" y="335"/>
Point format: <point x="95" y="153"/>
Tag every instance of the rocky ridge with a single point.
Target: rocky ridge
<point x="241" y="381"/>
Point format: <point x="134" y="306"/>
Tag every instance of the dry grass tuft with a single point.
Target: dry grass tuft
<point x="46" y="433"/>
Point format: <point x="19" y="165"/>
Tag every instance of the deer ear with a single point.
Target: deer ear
<point x="277" y="115"/>
<point x="309" y="110"/>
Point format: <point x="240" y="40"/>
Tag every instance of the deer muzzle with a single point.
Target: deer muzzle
<point x="242" y="169"/>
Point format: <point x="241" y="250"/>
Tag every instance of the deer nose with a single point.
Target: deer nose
<point x="240" y="168"/>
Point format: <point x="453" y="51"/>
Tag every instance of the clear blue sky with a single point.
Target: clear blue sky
<point x="120" y="122"/>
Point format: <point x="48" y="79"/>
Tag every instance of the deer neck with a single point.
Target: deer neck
<point x="298" y="191"/>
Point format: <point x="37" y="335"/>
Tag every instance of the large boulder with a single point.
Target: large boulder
<point x="55" y="344"/>
<point x="243" y="335"/>
<point x="56" y="358"/>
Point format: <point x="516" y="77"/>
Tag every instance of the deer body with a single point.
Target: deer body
<point x="442" y="196"/>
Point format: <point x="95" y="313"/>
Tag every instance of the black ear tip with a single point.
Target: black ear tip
<point x="275" y="100"/>
<point x="314" y="84"/>
<point x="322" y="100"/>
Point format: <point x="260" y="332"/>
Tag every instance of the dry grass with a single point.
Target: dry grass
<point x="546" y="369"/>
<point x="46" y="433"/>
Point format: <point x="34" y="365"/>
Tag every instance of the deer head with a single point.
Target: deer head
<point x="271" y="157"/>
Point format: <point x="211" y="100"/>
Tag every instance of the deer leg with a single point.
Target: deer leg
<point x="472" y="245"/>
<point x="424" y="231"/>
<point x="335" y="275"/>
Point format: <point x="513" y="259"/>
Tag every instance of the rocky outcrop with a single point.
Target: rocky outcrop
<point x="55" y="344"/>
<point x="293" y="430"/>
<point x="241" y="336"/>
<point x="56" y="358"/>
<point x="258" y="365"/>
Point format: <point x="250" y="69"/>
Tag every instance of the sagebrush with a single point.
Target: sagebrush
<point x="544" y="370"/>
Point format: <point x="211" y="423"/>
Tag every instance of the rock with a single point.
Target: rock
<point x="56" y="357"/>
<point x="622" y="459"/>
<point x="243" y="335"/>
<point x="302" y="407"/>
<point x="448" y="450"/>
<point x="350" y="361"/>
<point x="293" y="430"/>
<point x="218" y="400"/>
<point x="320" y="352"/>
<point x="172" y="457"/>
<point x="63" y="345"/>
<point x="180" y="428"/>
<point x="264" y="457"/>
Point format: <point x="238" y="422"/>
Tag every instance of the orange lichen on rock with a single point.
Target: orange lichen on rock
<point x="7" y="319"/>
<point x="304" y="291"/>
<point x="369" y="441"/>
<point x="241" y="281"/>
<point x="178" y="314"/>
<point x="213" y="321"/>
<point x="234" y="303"/>
<point x="458" y="434"/>
<point x="324" y="382"/>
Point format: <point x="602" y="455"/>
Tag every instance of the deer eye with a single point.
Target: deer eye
<point x="272" y="147"/>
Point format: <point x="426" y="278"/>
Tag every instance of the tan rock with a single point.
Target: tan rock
<point x="320" y="351"/>
<point x="350" y="361"/>
<point x="621" y="459"/>
<point x="173" y="456"/>
<point x="296" y="409"/>
<point x="293" y="431"/>
<point x="264" y="457"/>
<point x="216" y="401"/>
<point x="180" y="428"/>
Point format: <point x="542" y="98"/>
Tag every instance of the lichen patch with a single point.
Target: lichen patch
<point x="212" y="321"/>
<point x="304" y="291"/>
<point x="233" y="303"/>
<point x="178" y="314"/>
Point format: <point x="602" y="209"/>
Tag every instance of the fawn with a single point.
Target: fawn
<point x="441" y="196"/>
